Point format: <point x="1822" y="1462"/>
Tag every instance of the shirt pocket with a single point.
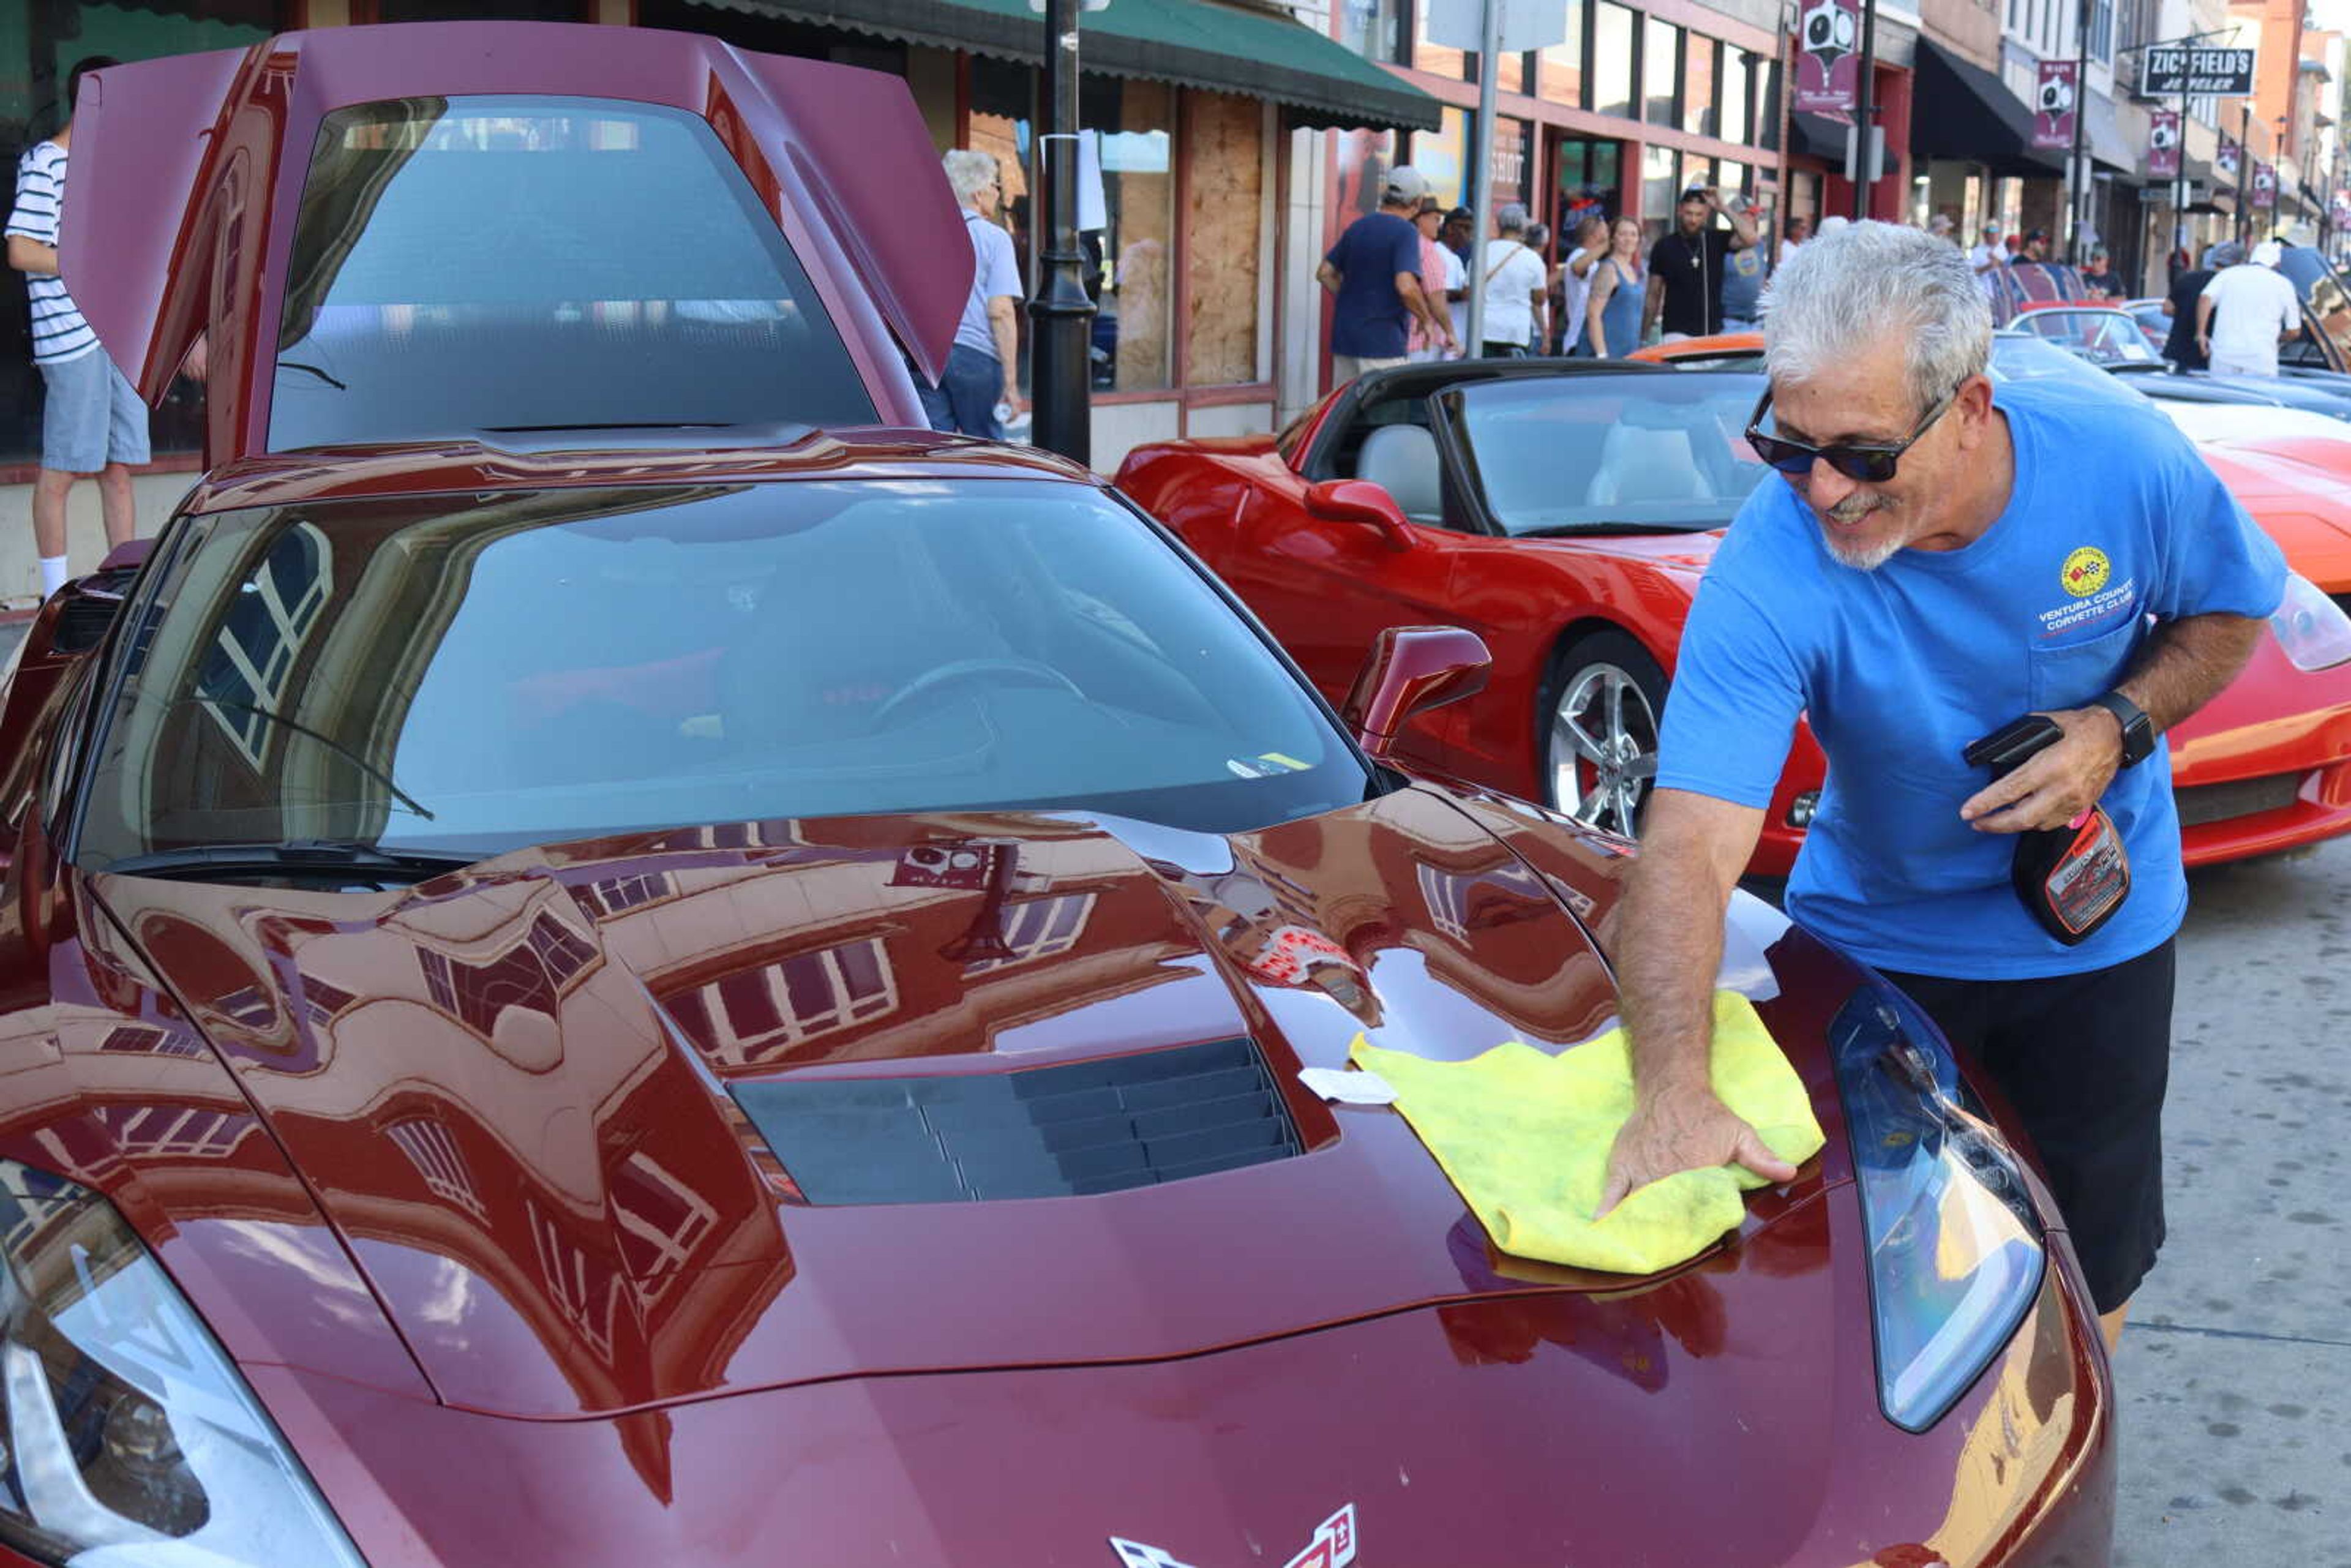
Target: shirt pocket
<point x="2069" y="675"/>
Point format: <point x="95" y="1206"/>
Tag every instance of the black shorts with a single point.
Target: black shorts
<point x="2082" y="1059"/>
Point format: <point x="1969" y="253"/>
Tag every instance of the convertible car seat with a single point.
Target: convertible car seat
<point x="1647" y="465"/>
<point x="1402" y="460"/>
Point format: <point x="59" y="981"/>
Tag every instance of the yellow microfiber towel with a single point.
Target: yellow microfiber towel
<point x="1525" y="1137"/>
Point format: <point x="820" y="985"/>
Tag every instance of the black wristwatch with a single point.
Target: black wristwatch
<point x="2138" y="730"/>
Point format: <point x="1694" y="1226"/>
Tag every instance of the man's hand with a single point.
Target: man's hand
<point x="2056" y="788"/>
<point x="1010" y="397"/>
<point x="1683" y="1128"/>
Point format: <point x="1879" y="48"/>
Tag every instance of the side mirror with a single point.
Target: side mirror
<point x="1360" y="501"/>
<point x="1410" y="670"/>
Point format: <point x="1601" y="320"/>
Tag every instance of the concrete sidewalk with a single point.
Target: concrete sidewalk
<point x="20" y="564"/>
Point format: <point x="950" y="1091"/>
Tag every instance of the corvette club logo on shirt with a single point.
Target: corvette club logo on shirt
<point x="2086" y="572"/>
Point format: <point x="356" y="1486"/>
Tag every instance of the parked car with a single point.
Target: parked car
<point x="2113" y="340"/>
<point x="1564" y="511"/>
<point x="598" y="978"/>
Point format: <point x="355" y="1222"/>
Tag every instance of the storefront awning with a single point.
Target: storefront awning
<point x="1818" y="136"/>
<point x="1193" y="43"/>
<point x="1963" y="112"/>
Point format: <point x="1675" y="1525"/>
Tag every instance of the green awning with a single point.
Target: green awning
<point x="1193" y="43"/>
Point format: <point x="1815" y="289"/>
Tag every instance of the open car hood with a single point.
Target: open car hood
<point x="538" y="1099"/>
<point x="187" y="172"/>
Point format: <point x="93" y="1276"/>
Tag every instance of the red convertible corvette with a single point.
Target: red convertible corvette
<point x="586" y="992"/>
<point x="1564" y="511"/>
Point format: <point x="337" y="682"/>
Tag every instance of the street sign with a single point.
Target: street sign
<point x="2052" y="104"/>
<point x="1526" y="23"/>
<point x="2199" y="72"/>
<point x="1828" y="65"/>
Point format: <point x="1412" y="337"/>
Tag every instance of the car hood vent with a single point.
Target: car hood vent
<point x="1044" y="1131"/>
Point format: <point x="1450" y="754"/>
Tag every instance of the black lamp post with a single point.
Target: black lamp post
<point x="1062" y="314"/>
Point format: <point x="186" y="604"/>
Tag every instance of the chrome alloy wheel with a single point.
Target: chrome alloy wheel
<point x="1603" y="750"/>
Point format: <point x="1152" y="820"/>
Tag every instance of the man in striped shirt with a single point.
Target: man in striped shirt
<point x="93" y="422"/>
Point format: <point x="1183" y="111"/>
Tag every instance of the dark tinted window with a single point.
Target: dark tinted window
<point x="499" y="262"/>
<point x="549" y="666"/>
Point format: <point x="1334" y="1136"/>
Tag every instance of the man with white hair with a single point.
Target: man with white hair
<point x="1514" y="280"/>
<point x="983" y="372"/>
<point x="2257" y="309"/>
<point x="1937" y="558"/>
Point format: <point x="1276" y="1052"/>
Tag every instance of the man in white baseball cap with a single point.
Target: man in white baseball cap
<point x="2246" y="311"/>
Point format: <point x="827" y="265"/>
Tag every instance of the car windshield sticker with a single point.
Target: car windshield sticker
<point x="1333" y="1546"/>
<point x="1135" y="1554"/>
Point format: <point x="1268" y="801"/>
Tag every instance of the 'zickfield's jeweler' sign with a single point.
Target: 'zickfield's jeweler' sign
<point x="2197" y="72"/>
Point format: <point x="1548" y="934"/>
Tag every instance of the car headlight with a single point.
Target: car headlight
<point x="1955" y="1251"/>
<point x="2311" y="627"/>
<point x="131" y="1440"/>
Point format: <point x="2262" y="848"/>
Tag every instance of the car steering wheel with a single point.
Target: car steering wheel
<point x="939" y="675"/>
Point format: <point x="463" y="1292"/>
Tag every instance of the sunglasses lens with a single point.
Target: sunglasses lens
<point x="1785" y="455"/>
<point x="1869" y="467"/>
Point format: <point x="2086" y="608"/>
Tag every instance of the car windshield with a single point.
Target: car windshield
<point x="483" y="264"/>
<point x="2101" y="337"/>
<point x="2018" y="358"/>
<point x="1592" y="453"/>
<point x="525" y="667"/>
<point x="2324" y="298"/>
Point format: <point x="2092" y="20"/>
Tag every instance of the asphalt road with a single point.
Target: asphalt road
<point x="2235" y="1375"/>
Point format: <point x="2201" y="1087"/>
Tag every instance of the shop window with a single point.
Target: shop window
<point x="1612" y="34"/>
<point x="1661" y="72"/>
<point x="1364" y="159"/>
<point x="1587" y="176"/>
<point x="1443" y="155"/>
<point x="1130" y="252"/>
<point x="1373" y="29"/>
<point x="1003" y="106"/>
<point x="1660" y="183"/>
<point x="1437" y="59"/>
<point x="1730" y="113"/>
<point x="1558" y="69"/>
<point x="1698" y="86"/>
<point x="1224" y="156"/>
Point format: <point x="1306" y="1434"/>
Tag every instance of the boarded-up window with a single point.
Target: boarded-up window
<point x="1226" y="152"/>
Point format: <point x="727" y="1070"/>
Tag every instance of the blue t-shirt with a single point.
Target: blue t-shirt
<point x="1369" y="318"/>
<point x="2113" y="518"/>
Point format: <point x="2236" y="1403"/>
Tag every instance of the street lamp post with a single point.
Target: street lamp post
<point x="1062" y="313"/>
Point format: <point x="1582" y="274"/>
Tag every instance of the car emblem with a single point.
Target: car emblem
<point x="1333" y="1546"/>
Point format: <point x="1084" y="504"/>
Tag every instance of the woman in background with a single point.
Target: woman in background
<point x="1612" y="317"/>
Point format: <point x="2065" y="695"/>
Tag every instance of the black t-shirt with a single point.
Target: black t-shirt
<point x="1691" y="271"/>
<point x="2180" y="347"/>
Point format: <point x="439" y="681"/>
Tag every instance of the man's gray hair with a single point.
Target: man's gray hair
<point x="970" y="172"/>
<point x="1856" y="287"/>
<point x="1511" y="219"/>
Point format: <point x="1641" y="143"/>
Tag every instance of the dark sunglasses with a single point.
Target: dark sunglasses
<point x="1871" y="462"/>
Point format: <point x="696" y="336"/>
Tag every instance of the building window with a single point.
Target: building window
<point x="1661" y="72"/>
<point x="1731" y="114"/>
<point x="1373" y="29"/>
<point x="1767" y="105"/>
<point x="1224" y="150"/>
<point x="1589" y="177"/>
<point x="1134" y="249"/>
<point x="1660" y="182"/>
<point x="2102" y="31"/>
<point x="1612" y="60"/>
<point x="1437" y="59"/>
<point x="1558" y="69"/>
<point x="1698" y="86"/>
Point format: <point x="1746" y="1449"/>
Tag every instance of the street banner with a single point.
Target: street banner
<point x="2264" y="186"/>
<point x="1828" y="67"/>
<point x="2053" y="105"/>
<point x="2163" y="145"/>
<point x="2172" y="69"/>
<point x="2228" y="160"/>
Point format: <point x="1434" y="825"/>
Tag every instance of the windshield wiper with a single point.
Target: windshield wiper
<point x="328" y="741"/>
<point x="313" y="369"/>
<point x="1565" y="530"/>
<point x="295" y="857"/>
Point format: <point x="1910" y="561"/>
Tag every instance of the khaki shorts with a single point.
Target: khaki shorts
<point x="1347" y="367"/>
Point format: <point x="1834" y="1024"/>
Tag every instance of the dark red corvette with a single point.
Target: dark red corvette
<point x="622" y="996"/>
